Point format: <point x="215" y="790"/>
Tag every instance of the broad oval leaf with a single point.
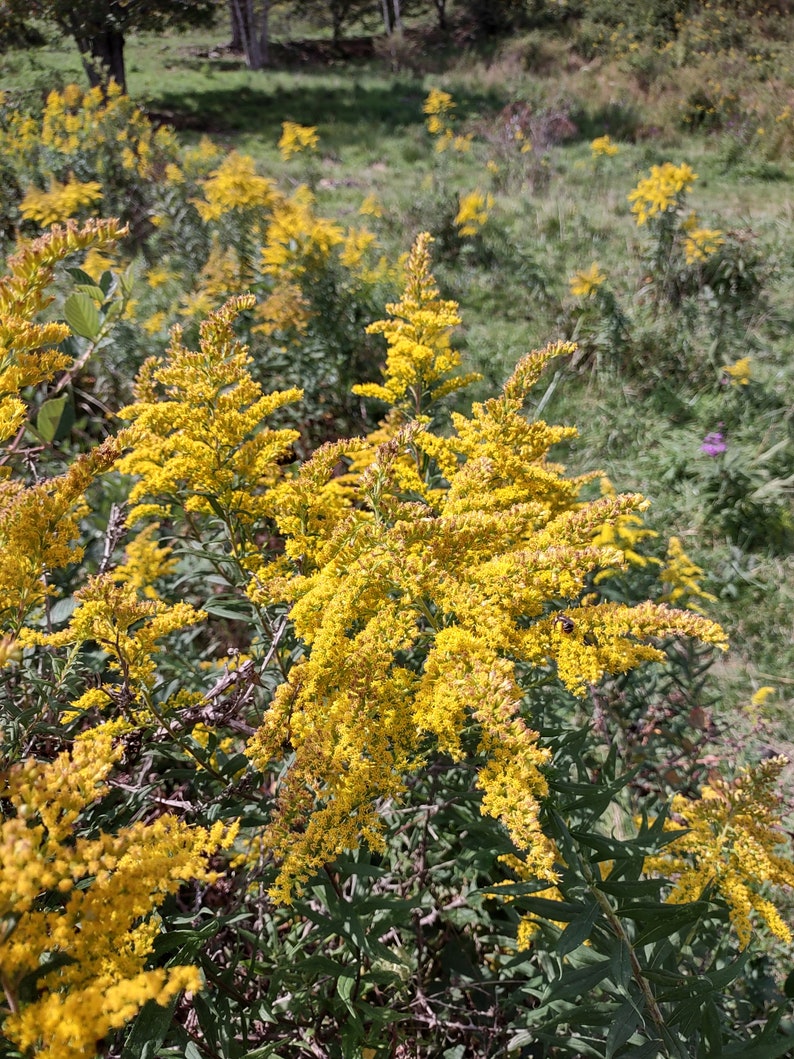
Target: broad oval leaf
<point x="82" y="315"/>
<point x="55" y="418"/>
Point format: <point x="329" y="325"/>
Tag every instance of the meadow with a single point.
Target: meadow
<point x="424" y="743"/>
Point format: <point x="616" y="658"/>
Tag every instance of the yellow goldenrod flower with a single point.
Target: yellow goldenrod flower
<point x="681" y="578"/>
<point x="126" y="627"/>
<point x="382" y="568"/>
<point x="296" y="138"/>
<point x="145" y="561"/>
<point x="473" y="210"/>
<point x="61" y="202"/>
<point x="297" y="239"/>
<point x="701" y="243"/>
<point x="235" y="185"/>
<point x="438" y="102"/>
<point x="174" y="174"/>
<point x="371" y="206"/>
<point x="198" y="439"/>
<point x="739" y="372"/>
<point x="623" y="534"/>
<point x="103" y="892"/>
<point x="95" y="263"/>
<point x="661" y="191"/>
<point x="730" y="849"/>
<point x="603" y="146"/>
<point x="586" y="282"/>
<point x="27" y="353"/>
<point x="439" y="107"/>
<point x="420" y="360"/>
<point x="763" y="693"/>
<point x="158" y="276"/>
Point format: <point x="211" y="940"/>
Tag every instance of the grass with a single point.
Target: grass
<point x="643" y="426"/>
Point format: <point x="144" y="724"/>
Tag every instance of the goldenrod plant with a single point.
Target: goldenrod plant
<point x="311" y="755"/>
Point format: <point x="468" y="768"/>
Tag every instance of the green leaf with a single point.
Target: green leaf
<point x="62" y="610"/>
<point x="127" y="280"/>
<point x="345" y="987"/>
<point x="55" y="418"/>
<point x="81" y="315"/>
<point x="621" y="965"/>
<point x="625" y="1022"/>
<point x="711" y="1028"/>
<point x="80" y="276"/>
<point x="232" y="607"/>
<point x="669" y="920"/>
<point x="649" y="1050"/>
<point x="94" y="293"/>
<point x="577" y="931"/>
<point x="149" y="1030"/>
<point x="581" y="980"/>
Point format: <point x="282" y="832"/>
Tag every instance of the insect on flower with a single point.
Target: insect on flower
<point x="566" y="623"/>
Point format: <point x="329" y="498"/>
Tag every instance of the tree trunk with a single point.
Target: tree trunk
<point x="264" y="33"/>
<point x="102" y="55"/>
<point x="398" y="19"/>
<point x="237" y="43"/>
<point x="107" y="51"/>
<point x="441" y="11"/>
<point x="252" y="25"/>
<point x="386" y="17"/>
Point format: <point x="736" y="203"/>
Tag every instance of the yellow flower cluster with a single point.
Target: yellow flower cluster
<point x="439" y="107"/>
<point x="235" y="186"/>
<point x="88" y="944"/>
<point x="661" y="191"/>
<point x="39" y="531"/>
<point x="701" y="243"/>
<point x="297" y="239"/>
<point x="681" y="578"/>
<point x="39" y="523"/>
<point x="586" y="282"/>
<point x="61" y="202"/>
<point x="624" y="535"/>
<point x="421" y="365"/>
<point x="465" y="583"/>
<point x="296" y="138"/>
<point x="473" y="210"/>
<point x="739" y="372"/>
<point x="124" y="626"/>
<point x="371" y="206"/>
<point x="603" y="147"/>
<point x="88" y="133"/>
<point x="731" y="848"/>
<point x="197" y="434"/>
<point x="145" y="562"/>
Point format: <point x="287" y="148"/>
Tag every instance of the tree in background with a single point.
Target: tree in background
<point x="250" y="31"/>
<point x="99" y="27"/>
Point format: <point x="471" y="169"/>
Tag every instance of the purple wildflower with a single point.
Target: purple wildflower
<point x="714" y="444"/>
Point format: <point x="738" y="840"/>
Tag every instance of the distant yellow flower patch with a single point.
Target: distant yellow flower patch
<point x="603" y="146"/>
<point x="296" y="138"/>
<point x="61" y="202"/>
<point x="587" y="281"/>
